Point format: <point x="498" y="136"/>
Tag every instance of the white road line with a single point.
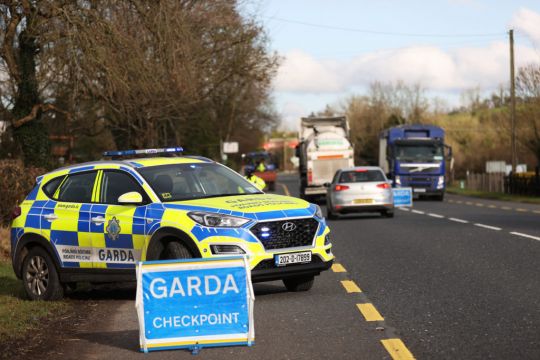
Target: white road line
<point x="436" y="215"/>
<point x="403" y="209"/>
<point x="458" y="220"/>
<point x="488" y="227"/>
<point x="418" y="212"/>
<point x="525" y="235"/>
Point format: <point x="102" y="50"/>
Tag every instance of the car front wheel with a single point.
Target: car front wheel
<point x="40" y="278"/>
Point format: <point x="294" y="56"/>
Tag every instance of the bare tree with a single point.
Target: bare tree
<point x="528" y="92"/>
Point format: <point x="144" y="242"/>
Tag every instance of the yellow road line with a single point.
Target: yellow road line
<point x="286" y="189"/>
<point x="338" y="268"/>
<point x="370" y="312"/>
<point x="350" y="286"/>
<point x="397" y="349"/>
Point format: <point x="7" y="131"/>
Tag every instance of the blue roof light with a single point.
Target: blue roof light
<point x="173" y="150"/>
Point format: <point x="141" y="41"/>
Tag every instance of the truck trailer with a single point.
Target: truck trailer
<point x="323" y="149"/>
<point x="415" y="156"/>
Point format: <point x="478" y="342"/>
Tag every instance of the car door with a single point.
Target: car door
<point x="65" y="219"/>
<point x="117" y="229"/>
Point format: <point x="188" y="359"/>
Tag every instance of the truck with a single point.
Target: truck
<point x="324" y="147"/>
<point x="416" y="156"/>
<point x="262" y="164"/>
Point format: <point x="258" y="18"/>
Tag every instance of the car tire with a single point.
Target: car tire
<point x="39" y="275"/>
<point x="330" y="215"/>
<point x="301" y="283"/>
<point x="388" y="213"/>
<point x="175" y="250"/>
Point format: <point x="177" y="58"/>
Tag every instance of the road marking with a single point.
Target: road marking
<point x="458" y="220"/>
<point x="479" y="204"/>
<point x="286" y="189"/>
<point x="397" y="349"/>
<point x="436" y="215"/>
<point x="418" y="212"/>
<point x="506" y="208"/>
<point x="350" y="286"/>
<point x="536" y="211"/>
<point x="369" y="312"/>
<point x="469" y="203"/>
<point x="525" y="235"/>
<point x="492" y="206"/>
<point x="459" y="202"/>
<point x="450" y="201"/>
<point x="403" y="208"/>
<point x="488" y="227"/>
<point x="522" y="210"/>
<point x="338" y="268"/>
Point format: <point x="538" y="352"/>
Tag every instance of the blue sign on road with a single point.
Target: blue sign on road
<point x="194" y="303"/>
<point x="402" y="196"/>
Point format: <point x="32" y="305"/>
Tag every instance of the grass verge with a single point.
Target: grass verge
<point x="493" y="195"/>
<point x="21" y="318"/>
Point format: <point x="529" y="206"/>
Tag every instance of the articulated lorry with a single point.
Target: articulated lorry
<point x="415" y="156"/>
<point x="323" y="149"/>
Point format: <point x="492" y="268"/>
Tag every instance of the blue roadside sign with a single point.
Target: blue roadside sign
<point x="402" y="196"/>
<point x="194" y="303"/>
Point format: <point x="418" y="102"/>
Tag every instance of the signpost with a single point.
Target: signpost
<point x="402" y="197"/>
<point x="195" y="303"/>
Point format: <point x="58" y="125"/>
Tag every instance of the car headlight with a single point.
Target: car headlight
<point x="440" y="182"/>
<point x="318" y="212"/>
<point x="217" y="220"/>
<point x="398" y="181"/>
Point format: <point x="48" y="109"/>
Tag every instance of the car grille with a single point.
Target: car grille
<point x="420" y="179"/>
<point x="272" y="235"/>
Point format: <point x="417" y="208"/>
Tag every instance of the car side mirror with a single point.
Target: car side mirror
<point x="130" y="198"/>
<point x="327" y="184"/>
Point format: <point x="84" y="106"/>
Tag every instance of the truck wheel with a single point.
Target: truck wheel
<point x="388" y="213"/>
<point x="301" y="283"/>
<point x="39" y="275"/>
<point x="440" y="197"/>
<point x="175" y="250"/>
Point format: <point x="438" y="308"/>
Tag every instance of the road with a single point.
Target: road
<point x="458" y="279"/>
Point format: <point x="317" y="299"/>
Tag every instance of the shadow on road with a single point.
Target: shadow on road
<point x="124" y="339"/>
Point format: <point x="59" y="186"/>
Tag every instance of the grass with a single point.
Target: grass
<point x="17" y="315"/>
<point x="493" y="195"/>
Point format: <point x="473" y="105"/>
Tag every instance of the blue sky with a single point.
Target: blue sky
<point x="323" y="64"/>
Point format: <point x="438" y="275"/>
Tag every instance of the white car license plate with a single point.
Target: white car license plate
<point x="293" y="258"/>
<point x="419" y="190"/>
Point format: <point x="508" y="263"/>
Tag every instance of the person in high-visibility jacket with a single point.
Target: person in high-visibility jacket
<point x="260" y="166"/>
<point x="257" y="181"/>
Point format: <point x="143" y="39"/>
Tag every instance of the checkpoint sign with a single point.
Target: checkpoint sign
<point x="194" y="303"/>
<point x="402" y="196"/>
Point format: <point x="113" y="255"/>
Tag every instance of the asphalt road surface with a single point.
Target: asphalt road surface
<point x="458" y="279"/>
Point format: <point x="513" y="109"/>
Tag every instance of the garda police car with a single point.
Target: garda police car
<point x="95" y="221"/>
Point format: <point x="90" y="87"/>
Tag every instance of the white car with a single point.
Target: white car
<point x="359" y="189"/>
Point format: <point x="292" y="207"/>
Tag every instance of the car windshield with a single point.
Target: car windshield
<point x="195" y="181"/>
<point x="361" y="176"/>
<point x="419" y="152"/>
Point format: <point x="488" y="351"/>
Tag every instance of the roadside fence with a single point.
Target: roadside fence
<point x="493" y="182"/>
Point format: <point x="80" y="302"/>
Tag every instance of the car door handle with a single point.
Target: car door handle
<point x="98" y="220"/>
<point x="50" y="217"/>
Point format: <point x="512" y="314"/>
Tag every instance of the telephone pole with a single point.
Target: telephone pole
<point x="512" y="101"/>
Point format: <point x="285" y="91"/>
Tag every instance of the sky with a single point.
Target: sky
<point x="331" y="50"/>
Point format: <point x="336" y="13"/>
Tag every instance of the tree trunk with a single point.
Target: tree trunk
<point x="32" y="136"/>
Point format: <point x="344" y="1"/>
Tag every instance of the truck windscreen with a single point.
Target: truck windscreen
<point x="419" y="152"/>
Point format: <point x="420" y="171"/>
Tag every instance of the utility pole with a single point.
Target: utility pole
<point x="512" y="101"/>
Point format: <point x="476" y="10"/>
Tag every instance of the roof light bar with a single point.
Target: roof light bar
<point x="173" y="150"/>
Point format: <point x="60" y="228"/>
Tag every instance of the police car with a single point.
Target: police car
<point x="95" y="221"/>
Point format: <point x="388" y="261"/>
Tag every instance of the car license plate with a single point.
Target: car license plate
<point x="362" y="201"/>
<point x="293" y="258"/>
<point x="419" y="190"/>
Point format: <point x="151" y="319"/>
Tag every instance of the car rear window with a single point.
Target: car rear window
<point x="361" y="176"/>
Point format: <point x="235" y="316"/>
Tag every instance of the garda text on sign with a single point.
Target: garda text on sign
<point x="194" y="303"/>
<point x="402" y="196"/>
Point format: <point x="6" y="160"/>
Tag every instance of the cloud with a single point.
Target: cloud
<point x="434" y="68"/>
<point x="528" y="22"/>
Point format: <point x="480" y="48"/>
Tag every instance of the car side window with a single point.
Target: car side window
<point x="50" y="188"/>
<point x="78" y="188"/>
<point x="116" y="183"/>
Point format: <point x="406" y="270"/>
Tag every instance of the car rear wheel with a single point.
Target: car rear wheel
<point x="295" y="284"/>
<point x="40" y="278"/>
<point x="175" y="250"/>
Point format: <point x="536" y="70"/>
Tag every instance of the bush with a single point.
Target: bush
<point x="16" y="182"/>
